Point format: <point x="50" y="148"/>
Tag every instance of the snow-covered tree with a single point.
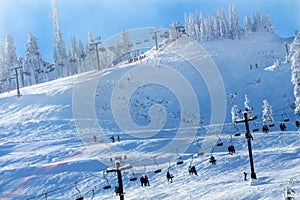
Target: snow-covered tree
<point x="247" y="24"/>
<point x="81" y="54"/>
<point x="33" y="68"/>
<point x="234" y="22"/>
<point x="4" y="72"/>
<point x="267" y="112"/>
<point x="295" y="79"/>
<point x="90" y="61"/>
<point x="60" y="55"/>
<point x="234" y="113"/>
<point x="73" y="57"/>
<point x="247" y="104"/>
<point x="224" y="28"/>
<point x="11" y="58"/>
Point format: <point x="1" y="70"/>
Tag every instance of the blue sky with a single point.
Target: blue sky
<point x="108" y="17"/>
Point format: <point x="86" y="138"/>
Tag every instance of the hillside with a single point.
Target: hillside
<point x="47" y="135"/>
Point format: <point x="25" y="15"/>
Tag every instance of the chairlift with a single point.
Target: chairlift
<point x="80" y="197"/>
<point x="158" y="170"/>
<point x="180" y="162"/>
<point x="219" y="142"/>
<point x="256" y="129"/>
<point x="271" y="125"/>
<point x="200" y="153"/>
<point x="237" y="130"/>
<point x="285" y="117"/>
<point x="107" y="186"/>
<point x="134" y="178"/>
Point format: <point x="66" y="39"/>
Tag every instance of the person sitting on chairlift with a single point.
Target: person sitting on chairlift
<point x="212" y="160"/>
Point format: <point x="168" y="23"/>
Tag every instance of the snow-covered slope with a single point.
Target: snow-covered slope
<point x="47" y="143"/>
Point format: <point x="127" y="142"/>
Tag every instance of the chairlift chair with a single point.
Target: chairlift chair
<point x="200" y="153"/>
<point x="133" y="178"/>
<point x="158" y="170"/>
<point x="219" y="142"/>
<point x="80" y="197"/>
<point x="179" y="162"/>
<point x="107" y="186"/>
<point x="271" y="125"/>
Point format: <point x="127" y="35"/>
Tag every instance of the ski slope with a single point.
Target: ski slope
<point x="47" y="145"/>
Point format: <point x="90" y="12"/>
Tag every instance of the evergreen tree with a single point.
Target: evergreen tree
<point x="224" y="28"/>
<point x="33" y="69"/>
<point x="247" y="24"/>
<point x="11" y="59"/>
<point x="60" y="55"/>
<point x="4" y="72"/>
<point x="267" y="112"/>
<point x="234" y="22"/>
<point x="247" y="104"/>
<point x="234" y="113"/>
<point x="73" y="57"/>
<point x="295" y="47"/>
<point x="81" y="54"/>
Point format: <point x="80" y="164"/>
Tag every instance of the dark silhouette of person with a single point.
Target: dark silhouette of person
<point x="212" y="160"/>
<point x="118" y="138"/>
<point x="142" y="179"/>
<point x="112" y="139"/>
<point x="193" y="170"/>
<point x="245" y="176"/>
<point x="170" y="177"/>
<point x="231" y="149"/>
<point x="282" y="127"/>
<point x="265" y="129"/>
<point x="146" y="181"/>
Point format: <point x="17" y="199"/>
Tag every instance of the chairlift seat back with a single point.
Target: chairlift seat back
<point x="133" y="179"/>
<point x="157" y="171"/>
<point x="237" y="134"/>
<point x="107" y="187"/>
<point x="255" y="130"/>
<point x="286" y="120"/>
<point x="79" y="198"/>
<point x="220" y="144"/>
<point x="179" y="162"/>
<point x="271" y="125"/>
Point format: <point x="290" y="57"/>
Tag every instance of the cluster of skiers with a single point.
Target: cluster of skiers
<point x="113" y="138"/>
<point x="144" y="181"/>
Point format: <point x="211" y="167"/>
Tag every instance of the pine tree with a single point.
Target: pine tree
<point x="73" y="57"/>
<point x="33" y="69"/>
<point x="247" y="104"/>
<point x="247" y="24"/>
<point x="224" y="29"/>
<point x="234" y="22"/>
<point x="234" y="113"/>
<point x="267" y="112"/>
<point x="81" y="54"/>
<point x="60" y="55"/>
<point x="295" y="79"/>
<point x="4" y="72"/>
<point x="11" y="59"/>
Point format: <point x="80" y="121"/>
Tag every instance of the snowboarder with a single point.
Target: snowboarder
<point x="190" y="170"/>
<point x="212" y="160"/>
<point x="245" y="176"/>
<point x="146" y="181"/>
<point x="297" y="123"/>
<point x="95" y="139"/>
<point x="112" y="139"/>
<point x="170" y="177"/>
<point x="118" y="138"/>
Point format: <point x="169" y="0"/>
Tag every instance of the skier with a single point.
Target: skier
<point x="142" y="179"/>
<point x="146" y="181"/>
<point x="118" y="138"/>
<point x="245" y="176"/>
<point x="212" y="160"/>
<point x="95" y="139"/>
<point x="282" y="127"/>
<point x="265" y="129"/>
<point x="231" y="149"/>
<point x="170" y="177"/>
<point x="193" y="170"/>
<point x="112" y="139"/>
